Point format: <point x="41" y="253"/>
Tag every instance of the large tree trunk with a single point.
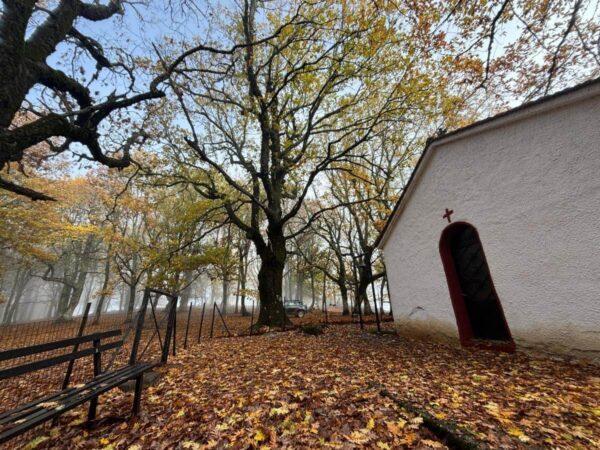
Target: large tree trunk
<point x="63" y="300"/>
<point x="270" y="277"/>
<point x="270" y="281"/>
<point x="362" y="299"/>
<point x="75" y="297"/>
<point x="82" y="265"/>
<point x="344" y="295"/>
<point x="365" y="278"/>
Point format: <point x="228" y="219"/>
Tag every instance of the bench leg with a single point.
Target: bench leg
<point x="92" y="409"/>
<point x="139" y="382"/>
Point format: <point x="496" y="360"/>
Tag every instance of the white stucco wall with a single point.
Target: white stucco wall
<point x="532" y="190"/>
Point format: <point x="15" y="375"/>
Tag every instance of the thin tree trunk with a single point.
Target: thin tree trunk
<point x="131" y="302"/>
<point x="312" y="288"/>
<point x="103" y="293"/>
<point x="300" y="285"/>
<point x="324" y="293"/>
<point x="187" y="291"/>
<point x="63" y="301"/>
<point x="244" y="311"/>
<point x="19" y="285"/>
<point x="81" y="267"/>
<point x="364" y="296"/>
<point x="225" y="296"/>
<point x="290" y="283"/>
<point x="52" y="312"/>
<point x="381" y="294"/>
<point x="387" y="285"/>
<point x="237" y="294"/>
<point x="212" y="291"/>
<point x="122" y="297"/>
<point x="361" y="289"/>
<point x="7" y="310"/>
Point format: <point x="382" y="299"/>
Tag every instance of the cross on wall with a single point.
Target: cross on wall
<point x="447" y="215"/>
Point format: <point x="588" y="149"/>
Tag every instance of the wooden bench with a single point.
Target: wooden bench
<point x="29" y="415"/>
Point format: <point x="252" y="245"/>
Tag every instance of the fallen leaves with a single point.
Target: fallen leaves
<point x="289" y="390"/>
<point x="519" y="434"/>
<point x="396" y="427"/>
<point x="49" y="405"/>
<point x="34" y="443"/>
<point x="281" y="411"/>
<point x="259" y="436"/>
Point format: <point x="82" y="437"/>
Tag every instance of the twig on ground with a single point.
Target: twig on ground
<point x="443" y="429"/>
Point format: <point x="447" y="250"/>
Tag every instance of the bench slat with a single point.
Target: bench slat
<point x="49" y="362"/>
<point x="6" y="416"/>
<point x="55" y="345"/>
<point x="23" y="410"/>
<point x="30" y="409"/>
<point x="77" y="398"/>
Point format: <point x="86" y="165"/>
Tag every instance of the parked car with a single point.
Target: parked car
<point x="295" y="308"/>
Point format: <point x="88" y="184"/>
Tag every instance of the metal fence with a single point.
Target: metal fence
<point x="149" y="330"/>
<point x="208" y="321"/>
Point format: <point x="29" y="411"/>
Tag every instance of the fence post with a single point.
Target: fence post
<point x="76" y="346"/>
<point x="170" y="326"/>
<point x="201" y="321"/>
<point x="139" y="326"/>
<point x="97" y="371"/>
<point x="212" y="321"/>
<point x="223" y="320"/>
<point x="187" y="328"/>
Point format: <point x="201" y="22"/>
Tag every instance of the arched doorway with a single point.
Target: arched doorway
<point x="478" y="311"/>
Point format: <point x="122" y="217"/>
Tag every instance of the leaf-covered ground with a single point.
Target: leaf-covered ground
<point x="291" y="390"/>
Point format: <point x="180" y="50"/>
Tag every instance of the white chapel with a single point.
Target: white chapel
<point x="496" y="238"/>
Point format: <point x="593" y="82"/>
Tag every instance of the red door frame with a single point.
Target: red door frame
<point x="465" y="331"/>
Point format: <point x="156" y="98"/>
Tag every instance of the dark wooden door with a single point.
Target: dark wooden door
<point x="482" y="303"/>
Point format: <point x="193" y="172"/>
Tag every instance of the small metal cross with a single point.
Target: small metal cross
<point x="449" y="212"/>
